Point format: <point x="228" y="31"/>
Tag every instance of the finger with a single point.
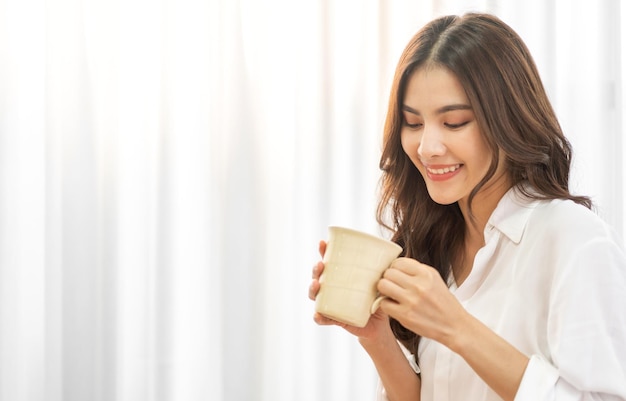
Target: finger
<point x="318" y="268"/>
<point x="325" y="321"/>
<point x="408" y="266"/>
<point x="401" y="281"/>
<point x="322" y="248"/>
<point x="314" y="288"/>
<point x="391" y="308"/>
<point x="390" y="288"/>
<point x="397" y="276"/>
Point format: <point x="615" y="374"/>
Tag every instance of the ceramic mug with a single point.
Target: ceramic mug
<point x="354" y="261"/>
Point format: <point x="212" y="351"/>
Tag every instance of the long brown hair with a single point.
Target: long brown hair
<point x="514" y="114"/>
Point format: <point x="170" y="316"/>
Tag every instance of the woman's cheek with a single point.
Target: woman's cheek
<point x="410" y="144"/>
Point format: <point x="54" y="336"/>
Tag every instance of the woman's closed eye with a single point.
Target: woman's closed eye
<point x="412" y="125"/>
<point x="455" y="126"/>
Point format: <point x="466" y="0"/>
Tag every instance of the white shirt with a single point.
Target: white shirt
<point x="551" y="280"/>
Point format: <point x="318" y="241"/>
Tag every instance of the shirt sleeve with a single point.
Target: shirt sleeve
<point x="586" y="330"/>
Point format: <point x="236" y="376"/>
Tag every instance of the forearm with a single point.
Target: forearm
<point x="496" y="361"/>
<point x="397" y="376"/>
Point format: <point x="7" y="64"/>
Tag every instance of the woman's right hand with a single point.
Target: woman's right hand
<point x="378" y="325"/>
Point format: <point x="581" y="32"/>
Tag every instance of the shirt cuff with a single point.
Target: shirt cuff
<point x="410" y="358"/>
<point x="381" y="393"/>
<point x="538" y="381"/>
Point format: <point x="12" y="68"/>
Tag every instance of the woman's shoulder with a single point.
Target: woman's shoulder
<point x="565" y="212"/>
<point x="575" y="239"/>
<point x="567" y="219"/>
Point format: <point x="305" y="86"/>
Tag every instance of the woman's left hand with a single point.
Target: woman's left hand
<point x="421" y="301"/>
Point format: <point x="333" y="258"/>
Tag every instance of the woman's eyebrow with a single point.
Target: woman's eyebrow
<point x="453" y="107"/>
<point x="410" y="110"/>
<point x="440" y="110"/>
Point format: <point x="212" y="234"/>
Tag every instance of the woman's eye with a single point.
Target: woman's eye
<point x="455" y="126"/>
<point x="412" y="125"/>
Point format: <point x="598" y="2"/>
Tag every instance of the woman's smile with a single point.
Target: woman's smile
<point x="442" y="172"/>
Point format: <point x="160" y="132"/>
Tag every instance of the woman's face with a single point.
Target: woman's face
<point x="441" y="136"/>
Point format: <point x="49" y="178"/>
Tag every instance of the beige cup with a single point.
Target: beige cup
<point x="353" y="263"/>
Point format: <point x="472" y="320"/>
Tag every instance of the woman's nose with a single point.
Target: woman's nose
<point x="431" y="143"/>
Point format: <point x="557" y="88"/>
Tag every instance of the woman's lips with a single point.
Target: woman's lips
<point x="442" y="172"/>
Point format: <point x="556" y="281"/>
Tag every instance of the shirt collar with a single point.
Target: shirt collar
<point x="511" y="214"/>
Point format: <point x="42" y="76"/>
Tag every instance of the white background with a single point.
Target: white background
<point x="167" y="168"/>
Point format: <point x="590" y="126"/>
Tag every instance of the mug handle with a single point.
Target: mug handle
<point x="376" y="303"/>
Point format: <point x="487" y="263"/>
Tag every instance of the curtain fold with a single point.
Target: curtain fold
<point x="168" y="167"/>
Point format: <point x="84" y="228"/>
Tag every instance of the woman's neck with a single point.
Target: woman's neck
<point x="482" y="207"/>
<point x="476" y="218"/>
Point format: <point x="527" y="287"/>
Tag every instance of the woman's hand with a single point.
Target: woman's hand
<point x="378" y="340"/>
<point x="378" y="324"/>
<point x="421" y="301"/>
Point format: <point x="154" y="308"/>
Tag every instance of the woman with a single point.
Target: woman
<point x="508" y="287"/>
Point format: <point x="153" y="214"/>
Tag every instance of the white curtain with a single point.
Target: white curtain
<point x="168" y="166"/>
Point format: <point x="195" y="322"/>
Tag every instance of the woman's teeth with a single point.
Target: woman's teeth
<point x="444" y="170"/>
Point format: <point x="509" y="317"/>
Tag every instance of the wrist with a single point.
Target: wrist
<point x="383" y="341"/>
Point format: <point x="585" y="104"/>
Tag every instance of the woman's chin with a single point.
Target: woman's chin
<point x="444" y="198"/>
